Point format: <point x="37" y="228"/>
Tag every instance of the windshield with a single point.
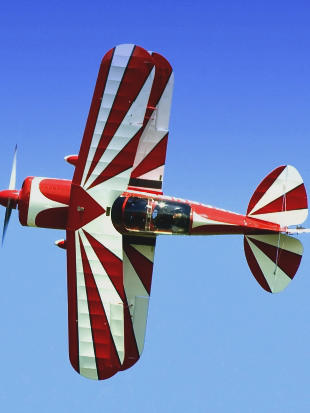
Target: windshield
<point x="135" y="213"/>
<point x="151" y="215"/>
<point x="169" y="216"/>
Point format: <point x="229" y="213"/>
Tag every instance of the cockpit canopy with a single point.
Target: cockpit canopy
<point x="151" y="215"/>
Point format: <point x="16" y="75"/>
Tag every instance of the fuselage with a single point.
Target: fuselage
<point x="44" y="202"/>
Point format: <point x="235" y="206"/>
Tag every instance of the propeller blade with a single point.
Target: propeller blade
<point x="13" y="172"/>
<point x="7" y="217"/>
<point x="12" y="185"/>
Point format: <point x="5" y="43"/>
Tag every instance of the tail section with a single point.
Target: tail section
<point x="274" y="258"/>
<point x="280" y="198"/>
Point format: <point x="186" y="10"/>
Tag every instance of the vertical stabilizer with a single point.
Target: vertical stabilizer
<point x="280" y="198"/>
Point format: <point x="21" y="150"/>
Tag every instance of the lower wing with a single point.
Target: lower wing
<point x="109" y="282"/>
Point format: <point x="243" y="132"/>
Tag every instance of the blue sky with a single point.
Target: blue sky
<point x="216" y="342"/>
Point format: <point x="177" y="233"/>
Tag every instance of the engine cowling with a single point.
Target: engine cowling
<point x="43" y="202"/>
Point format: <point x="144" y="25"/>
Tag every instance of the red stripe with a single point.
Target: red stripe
<point x="157" y="156"/>
<point x="233" y="229"/>
<point x="142" y="266"/>
<point x="123" y="161"/>
<point x="92" y="116"/>
<point x="110" y="262"/>
<point x="57" y="190"/>
<point x="153" y="160"/>
<point x="107" y="359"/>
<point x="136" y="73"/>
<point x="56" y="218"/>
<point x="264" y="186"/>
<point x="114" y="268"/>
<point x="254" y="267"/>
<point x="218" y="229"/>
<point x="292" y="200"/>
<point x="131" y="348"/>
<point x="287" y="261"/>
<point x="144" y="189"/>
<point x="162" y="75"/>
<point x="72" y="301"/>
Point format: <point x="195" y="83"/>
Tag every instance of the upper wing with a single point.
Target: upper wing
<point x="100" y="327"/>
<point x="116" y="116"/>
<point x="148" y="169"/>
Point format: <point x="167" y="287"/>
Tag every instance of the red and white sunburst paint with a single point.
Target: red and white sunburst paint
<point x="114" y="209"/>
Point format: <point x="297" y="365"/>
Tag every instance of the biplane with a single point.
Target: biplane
<point x="114" y="209"/>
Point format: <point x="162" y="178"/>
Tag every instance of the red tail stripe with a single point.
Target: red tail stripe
<point x="107" y="359"/>
<point x="264" y="186"/>
<point x="254" y="267"/>
<point x="293" y="200"/>
<point x="287" y="261"/>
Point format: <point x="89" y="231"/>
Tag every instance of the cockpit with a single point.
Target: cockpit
<point x="151" y="215"/>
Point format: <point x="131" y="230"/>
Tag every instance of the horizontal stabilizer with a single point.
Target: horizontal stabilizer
<point x="273" y="259"/>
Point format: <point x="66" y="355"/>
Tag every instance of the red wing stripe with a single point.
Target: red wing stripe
<point x="162" y="76"/>
<point x="151" y="153"/>
<point x="122" y="162"/>
<point x="72" y="301"/>
<point x="93" y="115"/>
<point x="110" y="262"/>
<point x="114" y="268"/>
<point x="136" y="73"/>
<point x="141" y="265"/>
<point x="131" y="348"/>
<point x="107" y="359"/>
<point x="153" y="160"/>
<point x="292" y="200"/>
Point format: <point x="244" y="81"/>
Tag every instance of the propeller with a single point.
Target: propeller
<point x="12" y="185"/>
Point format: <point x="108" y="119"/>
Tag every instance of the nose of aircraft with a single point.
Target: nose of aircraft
<point x="9" y="196"/>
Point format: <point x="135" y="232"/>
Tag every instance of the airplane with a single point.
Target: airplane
<point x="114" y="209"/>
